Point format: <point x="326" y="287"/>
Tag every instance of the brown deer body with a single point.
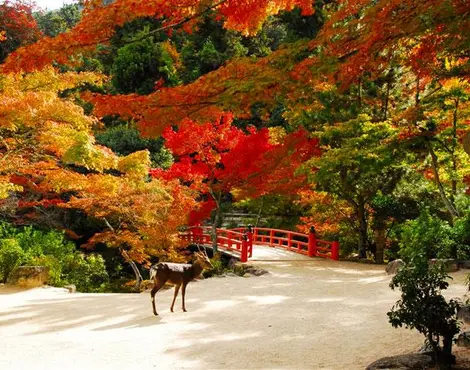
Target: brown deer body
<point x="179" y="274"/>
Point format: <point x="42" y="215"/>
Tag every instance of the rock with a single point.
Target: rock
<point x="464" y="264"/>
<point x="231" y="274"/>
<point x="463" y="339"/>
<point x="464" y="314"/>
<point x="232" y="263"/>
<point x="426" y="349"/>
<point x="392" y="267"/>
<point x="255" y="271"/>
<point x="29" y="276"/>
<point x="404" y="362"/>
<point x="71" y="288"/>
<point x="247" y="274"/>
<point x="450" y="265"/>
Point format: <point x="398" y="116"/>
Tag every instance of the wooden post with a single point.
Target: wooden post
<point x="312" y="242"/>
<point x="335" y="251"/>
<point x="289" y="241"/>
<point x="244" y="254"/>
<point x="249" y="234"/>
<point x="271" y="237"/>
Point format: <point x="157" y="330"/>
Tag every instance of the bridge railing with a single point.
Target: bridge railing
<point x="307" y="244"/>
<point x="241" y="240"/>
<point x="235" y="241"/>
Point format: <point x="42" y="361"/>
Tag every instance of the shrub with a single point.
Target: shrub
<point x="88" y="273"/>
<point x="422" y="306"/>
<point x="11" y="256"/>
<point x="427" y="236"/>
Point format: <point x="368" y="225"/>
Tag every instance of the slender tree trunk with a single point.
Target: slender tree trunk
<point x="435" y="167"/>
<point x="214" y="229"/>
<point x="361" y="213"/>
<point x="380" y="244"/>
<point x="258" y="217"/>
<point x="138" y="276"/>
<point x="454" y="144"/>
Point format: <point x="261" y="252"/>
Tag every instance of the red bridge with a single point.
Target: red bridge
<point x="240" y="241"/>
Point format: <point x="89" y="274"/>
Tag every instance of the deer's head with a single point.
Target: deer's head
<point x="203" y="259"/>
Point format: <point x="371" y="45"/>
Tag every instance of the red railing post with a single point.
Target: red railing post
<point x="271" y="237"/>
<point x="249" y="234"/>
<point x="289" y="241"/>
<point x="335" y="251"/>
<point x="312" y="242"/>
<point x="244" y="252"/>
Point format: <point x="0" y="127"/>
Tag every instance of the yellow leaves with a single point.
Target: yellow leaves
<point x="277" y="135"/>
<point x="6" y="187"/>
<point x="135" y="164"/>
<point x="48" y="80"/>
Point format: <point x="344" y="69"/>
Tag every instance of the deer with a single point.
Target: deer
<point x="179" y="274"/>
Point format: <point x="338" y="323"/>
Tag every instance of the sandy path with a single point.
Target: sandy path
<point x="304" y="315"/>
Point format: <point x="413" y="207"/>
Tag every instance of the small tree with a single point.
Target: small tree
<point x="422" y="306"/>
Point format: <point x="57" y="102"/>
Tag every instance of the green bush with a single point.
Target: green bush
<point x="428" y="236"/>
<point x="87" y="273"/>
<point x="66" y="265"/>
<point x="11" y="256"/>
<point x="422" y="306"/>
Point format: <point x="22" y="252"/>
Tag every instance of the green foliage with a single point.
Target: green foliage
<point x="11" y="256"/>
<point x="66" y="265"/>
<point x="422" y="306"/>
<point x="427" y="236"/>
<point x="88" y="273"/>
<point x="125" y="140"/>
<point x="53" y="22"/>
<point x="140" y="64"/>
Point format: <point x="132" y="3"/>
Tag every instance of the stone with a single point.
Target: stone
<point x="247" y="274"/>
<point x="232" y="263"/>
<point x="464" y="264"/>
<point x="450" y="264"/>
<point x="464" y="314"/>
<point x="404" y="362"/>
<point x="393" y="266"/>
<point x="29" y="276"/>
<point x="231" y="274"/>
<point x="463" y="339"/>
<point x="71" y="288"/>
<point x="256" y="271"/>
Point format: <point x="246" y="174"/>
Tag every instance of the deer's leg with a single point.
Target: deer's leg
<point x="183" y="292"/>
<point x="177" y="288"/>
<point x="156" y="287"/>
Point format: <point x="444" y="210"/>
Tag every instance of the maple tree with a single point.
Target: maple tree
<point x="17" y="26"/>
<point x="218" y="159"/>
<point x="49" y="161"/>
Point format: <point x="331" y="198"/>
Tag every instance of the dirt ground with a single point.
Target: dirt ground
<point x="314" y="314"/>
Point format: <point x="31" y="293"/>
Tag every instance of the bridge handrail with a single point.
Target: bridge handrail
<point x="242" y="239"/>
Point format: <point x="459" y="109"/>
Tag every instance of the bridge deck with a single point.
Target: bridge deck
<point x="265" y="253"/>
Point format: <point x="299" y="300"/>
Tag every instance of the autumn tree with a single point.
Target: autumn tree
<point x="50" y="162"/>
<point x="220" y="160"/>
<point x="17" y="26"/>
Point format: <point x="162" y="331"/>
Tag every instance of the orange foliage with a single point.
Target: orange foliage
<point x="99" y="22"/>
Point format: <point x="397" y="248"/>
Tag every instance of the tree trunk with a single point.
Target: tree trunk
<point x="448" y="204"/>
<point x="380" y="244"/>
<point x="214" y="229"/>
<point x="138" y="276"/>
<point x="361" y="214"/>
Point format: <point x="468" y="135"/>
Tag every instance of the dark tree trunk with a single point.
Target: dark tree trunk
<point x="361" y="214"/>
<point x="380" y="237"/>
